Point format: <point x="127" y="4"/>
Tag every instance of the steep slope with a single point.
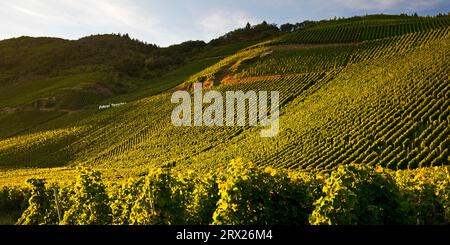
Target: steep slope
<point x="363" y="29"/>
<point x="381" y="100"/>
<point x="54" y="73"/>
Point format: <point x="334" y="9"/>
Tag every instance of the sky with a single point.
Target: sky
<point x="167" y="22"/>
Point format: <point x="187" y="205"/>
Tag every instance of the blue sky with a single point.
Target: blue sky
<point x="173" y="21"/>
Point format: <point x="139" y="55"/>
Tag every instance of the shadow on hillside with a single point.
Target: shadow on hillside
<point x="38" y="150"/>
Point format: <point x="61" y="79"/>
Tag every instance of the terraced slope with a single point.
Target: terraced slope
<point x="363" y="29"/>
<point x="382" y="100"/>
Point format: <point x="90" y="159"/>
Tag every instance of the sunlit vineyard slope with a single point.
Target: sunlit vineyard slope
<point x="369" y="90"/>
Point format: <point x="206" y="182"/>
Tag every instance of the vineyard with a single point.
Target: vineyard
<point x="372" y="94"/>
<point x="257" y="196"/>
<point x="363" y="30"/>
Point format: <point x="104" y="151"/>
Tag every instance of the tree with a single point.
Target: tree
<point x="304" y="24"/>
<point x="288" y="27"/>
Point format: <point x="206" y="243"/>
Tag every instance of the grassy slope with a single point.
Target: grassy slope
<point x="49" y="69"/>
<point x="326" y="101"/>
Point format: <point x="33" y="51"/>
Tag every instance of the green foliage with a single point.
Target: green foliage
<point x="40" y="205"/>
<point x="249" y="195"/>
<point x="63" y="74"/>
<point x="13" y="202"/>
<point x="358" y="195"/>
<point x="123" y="199"/>
<point x="380" y="100"/>
<point x="298" y="60"/>
<point x="249" y="33"/>
<point x="161" y="201"/>
<point x="204" y="199"/>
<point x="244" y="194"/>
<point x="89" y="203"/>
<point x="362" y="29"/>
<point x="426" y="193"/>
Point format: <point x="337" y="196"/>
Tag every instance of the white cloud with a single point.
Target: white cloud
<point x="173" y="21"/>
<point x="386" y="4"/>
<point x="219" y="22"/>
<point x="77" y="18"/>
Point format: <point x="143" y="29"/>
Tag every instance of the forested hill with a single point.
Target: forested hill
<point x="53" y="73"/>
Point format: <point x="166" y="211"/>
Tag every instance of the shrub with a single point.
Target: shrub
<point x="426" y="195"/>
<point x="89" y="204"/>
<point x="13" y="202"/>
<point x="358" y="195"/>
<point x="204" y="200"/>
<point x="162" y="200"/>
<point x="41" y="209"/>
<point x="250" y="195"/>
<point x="123" y="200"/>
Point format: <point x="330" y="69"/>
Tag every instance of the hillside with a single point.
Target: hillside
<point x="52" y="74"/>
<point x="371" y="90"/>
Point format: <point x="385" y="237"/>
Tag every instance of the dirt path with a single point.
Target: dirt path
<point x="232" y="80"/>
<point x="310" y="46"/>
